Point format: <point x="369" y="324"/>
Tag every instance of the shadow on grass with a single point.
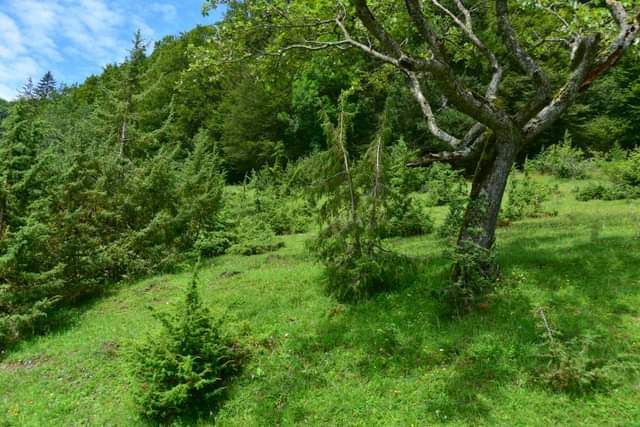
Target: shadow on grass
<point x="584" y="287"/>
<point x="62" y="317"/>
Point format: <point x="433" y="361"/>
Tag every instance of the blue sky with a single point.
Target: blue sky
<point x="76" y="38"/>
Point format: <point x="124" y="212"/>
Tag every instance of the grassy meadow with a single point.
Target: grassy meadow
<point x="393" y="360"/>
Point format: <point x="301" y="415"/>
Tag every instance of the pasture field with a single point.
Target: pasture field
<point x="392" y="360"/>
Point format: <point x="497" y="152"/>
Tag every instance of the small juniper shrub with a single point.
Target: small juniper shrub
<point x="214" y="243"/>
<point x="606" y="161"/>
<point x="568" y="365"/>
<point x="78" y="217"/>
<point x="278" y="199"/>
<point x="187" y="367"/>
<point x="562" y="160"/>
<point x="443" y="185"/>
<point x="357" y="265"/>
<point x="450" y="228"/>
<point x="245" y="231"/>
<point x="628" y="170"/>
<point x="254" y="237"/>
<point x="525" y="197"/>
<point x="271" y="202"/>
<point x="622" y="169"/>
<point x="405" y="214"/>
<point x="600" y="191"/>
<point x="354" y="200"/>
<point x="24" y="323"/>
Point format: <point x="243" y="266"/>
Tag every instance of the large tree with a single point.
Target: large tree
<point x="435" y="44"/>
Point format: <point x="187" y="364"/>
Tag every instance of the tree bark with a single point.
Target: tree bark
<point x="489" y="183"/>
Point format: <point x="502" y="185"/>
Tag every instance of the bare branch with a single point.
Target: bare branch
<point x="366" y="48"/>
<point x="467" y="29"/>
<point x="559" y="40"/>
<point x="628" y="34"/>
<point x="618" y="12"/>
<point x="375" y="28"/>
<point x="465" y="12"/>
<point x="310" y="45"/>
<point x="451" y="156"/>
<point x="473" y="134"/>
<point x="569" y="92"/>
<point x="424" y="27"/>
<point x="414" y="84"/>
<point x="524" y="60"/>
<point x="465" y="100"/>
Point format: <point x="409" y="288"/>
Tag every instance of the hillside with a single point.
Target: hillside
<point x="366" y="212"/>
<point x="393" y="360"/>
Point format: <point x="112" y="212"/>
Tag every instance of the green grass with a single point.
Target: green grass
<point x="394" y="360"/>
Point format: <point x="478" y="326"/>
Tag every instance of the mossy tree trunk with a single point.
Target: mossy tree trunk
<point x="489" y="183"/>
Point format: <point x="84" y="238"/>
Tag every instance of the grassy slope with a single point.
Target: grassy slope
<point x="390" y="361"/>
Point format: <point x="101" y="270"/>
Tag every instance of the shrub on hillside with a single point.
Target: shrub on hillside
<point x="187" y="366"/>
<point x="77" y="217"/>
<point x="525" y="197"/>
<point x="475" y="276"/>
<point x="254" y="237"/>
<point x="274" y="196"/>
<point x="562" y="160"/>
<point x="599" y="191"/>
<point x="623" y="171"/>
<point x="569" y="365"/>
<point x="404" y="214"/>
<point x="627" y="171"/>
<point x="357" y="200"/>
<point x="452" y="224"/>
<point x="356" y="264"/>
<point x="443" y="185"/>
<point x="407" y="217"/>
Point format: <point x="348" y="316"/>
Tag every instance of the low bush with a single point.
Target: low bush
<point x="625" y="171"/>
<point x="75" y="218"/>
<point x="187" y="366"/>
<point x="443" y="185"/>
<point x="525" y="197"/>
<point x="599" y="191"/>
<point x="356" y="264"/>
<point x="568" y="365"/>
<point x="622" y="169"/>
<point x="407" y="217"/>
<point x="452" y="224"/>
<point x="404" y="214"/>
<point x="275" y="196"/>
<point x="562" y="160"/>
<point x="254" y="237"/>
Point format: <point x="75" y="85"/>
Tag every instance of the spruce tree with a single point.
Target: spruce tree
<point x="130" y="87"/>
<point x="46" y="86"/>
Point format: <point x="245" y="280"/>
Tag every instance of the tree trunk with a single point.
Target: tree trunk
<point x="489" y="182"/>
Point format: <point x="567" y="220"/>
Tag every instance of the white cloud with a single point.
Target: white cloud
<point x="37" y="35"/>
<point x="6" y="92"/>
